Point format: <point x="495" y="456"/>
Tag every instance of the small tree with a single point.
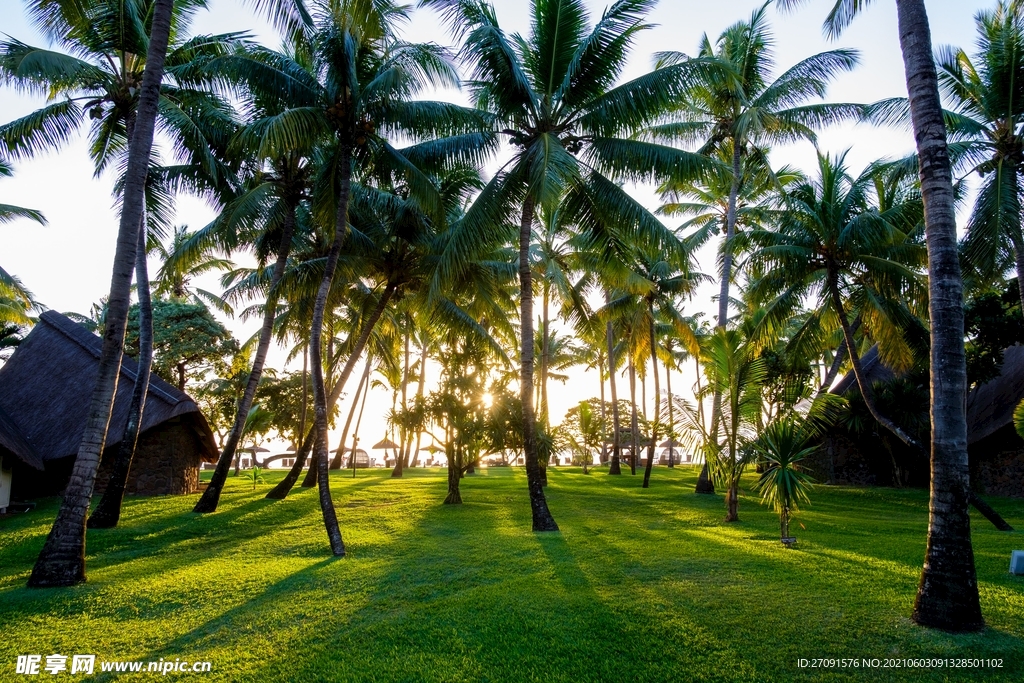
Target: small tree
<point x="782" y="446"/>
<point x="580" y="433"/>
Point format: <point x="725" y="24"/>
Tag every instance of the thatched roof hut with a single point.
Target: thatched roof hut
<point x="45" y="389"/>
<point x="996" y="451"/>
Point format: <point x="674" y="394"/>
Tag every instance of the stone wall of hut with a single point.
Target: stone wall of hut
<point x="997" y="464"/>
<point x="166" y="461"/>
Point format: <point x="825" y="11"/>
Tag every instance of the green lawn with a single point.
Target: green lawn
<point x="638" y="586"/>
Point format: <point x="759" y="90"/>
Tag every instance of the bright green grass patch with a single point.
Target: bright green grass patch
<point x="638" y="586"/>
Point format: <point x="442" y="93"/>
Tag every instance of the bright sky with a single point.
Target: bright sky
<point x="67" y="263"/>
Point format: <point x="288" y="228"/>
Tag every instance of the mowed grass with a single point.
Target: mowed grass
<point x="638" y="586"/>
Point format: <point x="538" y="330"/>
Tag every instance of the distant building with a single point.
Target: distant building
<point x="45" y="390"/>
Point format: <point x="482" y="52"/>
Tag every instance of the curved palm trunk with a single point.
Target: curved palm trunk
<point x="671" y="418"/>
<point x="542" y="519"/>
<point x="340" y="455"/>
<point x="657" y="411"/>
<point x="947" y="596"/>
<point x="108" y="513"/>
<point x="419" y="396"/>
<point x="615" y="467"/>
<point x="62" y="559"/>
<point x="211" y="496"/>
<point x="316" y="360"/>
<point x="866" y="390"/>
<point x="837" y="362"/>
<point x="633" y="426"/>
<point x="280" y="491"/>
<point x="355" y="432"/>
<point x="704" y="483"/>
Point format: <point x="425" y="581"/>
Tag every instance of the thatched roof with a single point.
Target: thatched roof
<point x="13" y="440"/>
<point x="874" y="371"/>
<point x="990" y="406"/>
<point x="46" y="385"/>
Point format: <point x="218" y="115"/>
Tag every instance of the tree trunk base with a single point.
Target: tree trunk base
<point x="704" y="483"/>
<point x="104" y="519"/>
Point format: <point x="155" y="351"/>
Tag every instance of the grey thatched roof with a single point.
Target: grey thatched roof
<point x="990" y="406"/>
<point x="874" y="371"/>
<point x="13" y="440"/>
<point x="46" y="385"/>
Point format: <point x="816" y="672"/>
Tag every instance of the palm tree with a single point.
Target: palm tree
<point x="743" y="113"/>
<point x="736" y="373"/>
<point x="553" y="97"/>
<point x="181" y="262"/>
<point x="832" y="244"/>
<point x="15" y="300"/>
<point x="947" y="596"/>
<point x="105" y="77"/>
<point x="62" y="559"/>
<point x="987" y="132"/>
<point x="782" y="445"/>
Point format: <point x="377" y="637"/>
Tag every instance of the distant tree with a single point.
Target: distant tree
<point x="188" y="342"/>
<point x="581" y="433"/>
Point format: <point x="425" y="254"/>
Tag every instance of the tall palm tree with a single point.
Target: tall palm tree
<point x="987" y="132"/>
<point x="62" y="559"/>
<point x="105" y="77"/>
<point x="947" y="596"/>
<point x="744" y="113"/>
<point x="832" y="244"/>
<point x="554" y="98"/>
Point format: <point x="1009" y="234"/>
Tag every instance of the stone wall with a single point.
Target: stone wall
<point x="997" y="464"/>
<point x="166" y="462"/>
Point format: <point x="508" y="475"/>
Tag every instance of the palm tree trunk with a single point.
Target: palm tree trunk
<point x="947" y="597"/>
<point x="545" y="418"/>
<point x="837" y="362"/>
<point x="108" y="513"/>
<point x="657" y="408"/>
<point x="615" y="467"/>
<point x="604" y="412"/>
<point x="403" y="433"/>
<point x="1018" y="254"/>
<point x="542" y="519"/>
<point x="316" y="350"/>
<point x="62" y="559"/>
<point x="355" y="432"/>
<point x="671" y="418"/>
<point x="704" y="483"/>
<point x="280" y="491"/>
<point x="419" y="393"/>
<point x="305" y="392"/>
<point x="633" y="426"/>
<point x="211" y="496"/>
<point x="339" y="456"/>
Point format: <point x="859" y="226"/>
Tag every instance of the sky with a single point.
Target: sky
<point x="66" y="263"/>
